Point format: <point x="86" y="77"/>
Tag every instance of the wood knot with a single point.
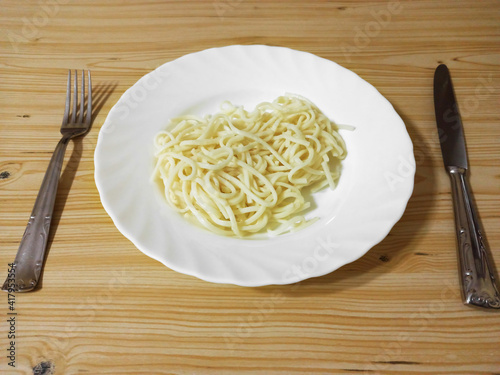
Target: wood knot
<point x="384" y="258"/>
<point x="4" y="175"/>
<point x="44" y="368"/>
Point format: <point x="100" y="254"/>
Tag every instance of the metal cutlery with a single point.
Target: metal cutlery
<point x="29" y="260"/>
<point x="476" y="272"/>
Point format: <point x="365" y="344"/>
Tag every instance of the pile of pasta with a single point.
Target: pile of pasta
<point x="239" y="173"/>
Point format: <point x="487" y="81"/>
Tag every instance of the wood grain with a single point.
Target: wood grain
<point x="105" y="308"/>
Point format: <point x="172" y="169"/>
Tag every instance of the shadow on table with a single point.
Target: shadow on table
<point x="100" y="95"/>
<point x="395" y="248"/>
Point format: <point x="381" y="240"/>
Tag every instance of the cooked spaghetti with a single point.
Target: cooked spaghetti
<point x="238" y="173"/>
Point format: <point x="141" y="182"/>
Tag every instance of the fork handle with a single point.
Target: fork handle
<point x="476" y="273"/>
<point x="30" y="255"/>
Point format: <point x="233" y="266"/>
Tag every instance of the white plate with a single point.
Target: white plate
<point x="373" y="190"/>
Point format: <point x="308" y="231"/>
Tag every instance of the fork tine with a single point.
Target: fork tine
<point x="75" y="100"/>
<point x="82" y="99"/>
<point x="89" y="101"/>
<point x="68" y="99"/>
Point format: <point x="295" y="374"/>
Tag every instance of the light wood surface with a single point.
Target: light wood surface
<point x="105" y="308"/>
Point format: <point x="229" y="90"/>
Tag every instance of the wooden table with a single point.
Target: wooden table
<point x="105" y="308"/>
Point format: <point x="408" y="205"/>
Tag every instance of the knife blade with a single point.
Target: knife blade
<point x="478" y="283"/>
<point x="448" y="120"/>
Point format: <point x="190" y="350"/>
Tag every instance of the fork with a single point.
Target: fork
<point x="27" y="267"/>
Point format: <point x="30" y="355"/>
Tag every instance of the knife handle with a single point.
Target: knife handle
<point x="476" y="273"/>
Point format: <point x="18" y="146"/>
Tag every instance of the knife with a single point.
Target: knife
<point x="475" y="266"/>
